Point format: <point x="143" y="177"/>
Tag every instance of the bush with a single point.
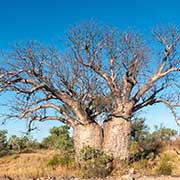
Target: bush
<point x="94" y="163"/>
<point x="15" y="143"/>
<point x="146" y="145"/>
<point x="66" y="159"/>
<point x="54" y="161"/>
<point x="165" y="166"/>
<point x="60" y="159"/>
<point x="164" y="134"/>
<point x="3" y="143"/>
<point x="142" y="166"/>
<point x="22" y="143"/>
<point x="59" y="139"/>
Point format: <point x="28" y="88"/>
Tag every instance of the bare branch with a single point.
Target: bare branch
<point x="61" y="119"/>
<point x="152" y="80"/>
<point x="42" y="75"/>
<point x="171" y="106"/>
<point x="44" y="106"/>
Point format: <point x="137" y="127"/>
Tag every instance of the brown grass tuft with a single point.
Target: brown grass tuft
<point x="22" y="166"/>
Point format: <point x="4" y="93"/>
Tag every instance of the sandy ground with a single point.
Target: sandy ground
<point x="159" y="178"/>
<point x="108" y="178"/>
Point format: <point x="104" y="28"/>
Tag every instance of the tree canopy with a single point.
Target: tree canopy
<point x="101" y="70"/>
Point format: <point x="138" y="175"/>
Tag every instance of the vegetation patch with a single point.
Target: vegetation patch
<point x="165" y="166"/>
<point x="94" y="163"/>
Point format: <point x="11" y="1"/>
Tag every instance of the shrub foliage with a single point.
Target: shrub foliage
<point x="94" y="163"/>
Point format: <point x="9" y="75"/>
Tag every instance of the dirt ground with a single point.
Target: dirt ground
<point x="108" y="178"/>
<point x="147" y="178"/>
<point x="159" y="178"/>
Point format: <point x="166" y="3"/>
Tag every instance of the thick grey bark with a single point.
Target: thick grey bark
<point x="87" y="135"/>
<point x="116" y="138"/>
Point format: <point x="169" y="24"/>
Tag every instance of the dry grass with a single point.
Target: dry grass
<point x="34" y="164"/>
<point x="149" y="167"/>
<point x="31" y="165"/>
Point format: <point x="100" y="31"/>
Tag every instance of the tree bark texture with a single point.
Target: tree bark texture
<point x="116" y="138"/>
<point x="87" y="135"/>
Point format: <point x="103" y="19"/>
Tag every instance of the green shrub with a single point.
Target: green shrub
<point x="142" y="166"/>
<point x="94" y="163"/>
<point x="164" y="134"/>
<point x="22" y="143"/>
<point x="3" y="143"/>
<point x="146" y="145"/>
<point x="54" y="161"/>
<point x="66" y="159"/>
<point x="59" y="139"/>
<point x="60" y="159"/>
<point x="165" y="166"/>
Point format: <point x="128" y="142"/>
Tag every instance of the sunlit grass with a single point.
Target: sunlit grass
<point x="21" y="166"/>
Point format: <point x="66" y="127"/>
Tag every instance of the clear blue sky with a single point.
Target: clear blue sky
<point x="46" y="20"/>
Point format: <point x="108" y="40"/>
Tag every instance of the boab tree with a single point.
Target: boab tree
<point x="103" y="72"/>
<point x="138" y="73"/>
<point x="48" y="85"/>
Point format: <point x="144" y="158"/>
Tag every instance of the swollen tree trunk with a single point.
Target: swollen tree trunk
<point x="87" y="135"/>
<point x="116" y="138"/>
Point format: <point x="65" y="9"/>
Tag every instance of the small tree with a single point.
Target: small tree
<point x="20" y="143"/>
<point x="139" y="130"/>
<point x="3" y="142"/>
<point x="163" y="133"/>
<point x="14" y="142"/>
<point x="59" y="138"/>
